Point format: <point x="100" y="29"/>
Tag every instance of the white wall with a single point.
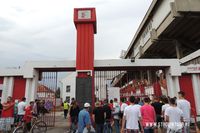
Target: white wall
<point x="196" y="83"/>
<point x="71" y="81"/>
<point x="114" y="92"/>
<point x="8" y="83"/>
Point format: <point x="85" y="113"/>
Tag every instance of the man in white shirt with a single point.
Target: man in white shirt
<point x="21" y="109"/>
<point x="165" y="106"/>
<point x="123" y="106"/>
<point x="185" y="106"/>
<point x="174" y="118"/>
<point x="131" y="115"/>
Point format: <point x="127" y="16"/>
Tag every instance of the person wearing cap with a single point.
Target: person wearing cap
<point x="84" y="119"/>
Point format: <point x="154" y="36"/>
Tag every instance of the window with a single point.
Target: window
<point x="68" y="88"/>
<point x="67" y="99"/>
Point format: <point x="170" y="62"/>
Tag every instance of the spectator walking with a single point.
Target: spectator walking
<point x="138" y="106"/>
<point x="84" y="119"/>
<point x="36" y="108"/>
<point x="7" y="119"/>
<point x="123" y="106"/>
<point x="115" y="103"/>
<point x="21" y="109"/>
<point x="148" y="116"/>
<point x="98" y="117"/>
<point x="108" y="117"/>
<point x="116" y="118"/>
<point x="111" y="104"/>
<point x="140" y="101"/>
<point x="28" y="115"/>
<point x="74" y="111"/>
<point x="16" y="111"/>
<point x="165" y="106"/>
<point x="174" y="118"/>
<point x="42" y="109"/>
<point x="185" y="106"/>
<point x="65" y="108"/>
<point x="131" y="115"/>
<point x="158" y="108"/>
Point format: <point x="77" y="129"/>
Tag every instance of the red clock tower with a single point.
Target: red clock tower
<point x="85" y="22"/>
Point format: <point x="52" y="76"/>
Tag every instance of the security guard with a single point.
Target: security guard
<point x="66" y="108"/>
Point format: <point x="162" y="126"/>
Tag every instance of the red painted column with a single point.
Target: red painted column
<point x="185" y="82"/>
<point x="85" y="47"/>
<point x="85" y="22"/>
<point x="19" y="88"/>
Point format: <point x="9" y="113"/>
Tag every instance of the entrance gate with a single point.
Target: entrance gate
<point x="46" y="93"/>
<point x="124" y="83"/>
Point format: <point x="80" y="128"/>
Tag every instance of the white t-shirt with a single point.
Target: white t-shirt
<point x="116" y="112"/>
<point x="138" y="106"/>
<point x="21" y="106"/>
<point x="123" y="106"/>
<point x="132" y="114"/>
<point x="174" y="114"/>
<point x="185" y="106"/>
<point x="165" y="106"/>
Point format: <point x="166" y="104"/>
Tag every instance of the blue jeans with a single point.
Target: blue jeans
<point x="99" y="128"/>
<point x="148" y="130"/>
<point x="107" y="127"/>
<point x="116" y="124"/>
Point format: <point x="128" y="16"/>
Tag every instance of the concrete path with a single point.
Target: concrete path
<point x="60" y="124"/>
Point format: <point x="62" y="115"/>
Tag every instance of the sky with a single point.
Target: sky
<point x="44" y="29"/>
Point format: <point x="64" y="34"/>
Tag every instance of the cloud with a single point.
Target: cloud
<point x="44" y="30"/>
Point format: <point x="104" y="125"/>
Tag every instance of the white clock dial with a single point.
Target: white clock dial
<point x="84" y="14"/>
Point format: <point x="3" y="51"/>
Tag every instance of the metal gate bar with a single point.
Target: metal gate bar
<point x="129" y="82"/>
<point x="46" y="94"/>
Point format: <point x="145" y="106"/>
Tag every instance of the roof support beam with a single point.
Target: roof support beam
<point x="179" y="50"/>
<point x="115" y="64"/>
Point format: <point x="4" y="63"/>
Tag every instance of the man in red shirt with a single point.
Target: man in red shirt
<point x="7" y="115"/>
<point x="148" y="116"/>
<point x="28" y="115"/>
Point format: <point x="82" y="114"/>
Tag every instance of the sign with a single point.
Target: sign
<point x="84" y="14"/>
<point x="193" y="69"/>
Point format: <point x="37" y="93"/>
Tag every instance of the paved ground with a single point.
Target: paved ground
<point x="60" y="124"/>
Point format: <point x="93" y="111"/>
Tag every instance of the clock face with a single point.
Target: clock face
<point x="84" y="14"/>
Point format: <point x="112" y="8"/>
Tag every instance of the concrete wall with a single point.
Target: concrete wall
<point x="70" y="80"/>
<point x="114" y="92"/>
<point x="153" y="22"/>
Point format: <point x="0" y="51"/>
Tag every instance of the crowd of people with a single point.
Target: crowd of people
<point x="158" y="114"/>
<point x="13" y="113"/>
